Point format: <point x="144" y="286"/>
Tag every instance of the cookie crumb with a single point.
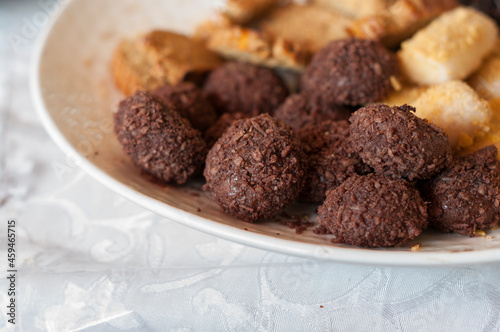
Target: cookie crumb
<point x="299" y="223"/>
<point x="415" y="247"/>
<point x="479" y="232"/>
<point x="321" y="230"/>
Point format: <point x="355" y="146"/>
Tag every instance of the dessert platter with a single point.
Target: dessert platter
<point x="411" y="128"/>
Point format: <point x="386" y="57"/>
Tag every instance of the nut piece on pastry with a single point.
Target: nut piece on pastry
<point x="355" y="8"/>
<point x="158" y="58"/>
<point x="399" y="21"/>
<point x="458" y="110"/>
<point x="486" y="80"/>
<point x="451" y="47"/>
<point x="312" y="27"/>
<point x="244" y="11"/>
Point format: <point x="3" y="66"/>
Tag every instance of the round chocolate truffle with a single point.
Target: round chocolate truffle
<point x="256" y="168"/>
<point x="351" y="71"/>
<point x="158" y="140"/>
<point x="244" y="87"/>
<point x="219" y="127"/>
<point x="373" y="211"/>
<point x="398" y="144"/>
<point x="331" y="158"/>
<point x="187" y="99"/>
<point x="300" y="110"/>
<point x="466" y="196"/>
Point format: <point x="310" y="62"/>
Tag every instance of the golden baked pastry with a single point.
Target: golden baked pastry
<point x="312" y="27"/>
<point x="458" y="110"/>
<point x="400" y="20"/>
<point x="286" y="37"/>
<point x="486" y="80"/>
<point x="244" y="11"/>
<point x="451" y="47"/>
<point x="245" y="44"/>
<point x="355" y="8"/>
<point x="405" y="95"/>
<point x="157" y="58"/>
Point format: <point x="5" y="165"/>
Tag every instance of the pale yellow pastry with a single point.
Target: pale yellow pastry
<point x="449" y="48"/>
<point x="493" y="135"/>
<point x="405" y="95"/>
<point x="455" y="107"/>
<point x="486" y="80"/>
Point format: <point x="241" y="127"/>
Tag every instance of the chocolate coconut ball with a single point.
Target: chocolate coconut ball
<point x="256" y="168"/>
<point x="331" y="158"/>
<point x="398" y="144"/>
<point x="300" y="110"/>
<point x="244" y="87"/>
<point x="187" y="99"/>
<point x="158" y="140"/>
<point x="373" y="211"/>
<point x="220" y="126"/>
<point x="466" y="196"/>
<point x="351" y="71"/>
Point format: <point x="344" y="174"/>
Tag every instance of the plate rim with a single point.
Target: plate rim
<point x="353" y="255"/>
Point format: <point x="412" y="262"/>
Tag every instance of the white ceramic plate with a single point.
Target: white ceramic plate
<point x="75" y="98"/>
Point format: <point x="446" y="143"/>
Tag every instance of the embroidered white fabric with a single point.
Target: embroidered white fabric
<point x="88" y="260"/>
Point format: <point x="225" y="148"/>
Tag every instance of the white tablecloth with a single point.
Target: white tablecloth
<point x="88" y="260"/>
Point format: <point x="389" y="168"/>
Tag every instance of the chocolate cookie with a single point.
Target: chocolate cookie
<point x="332" y="160"/>
<point x="466" y="196"/>
<point x="246" y="88"/>
<point x="187" y="99"/>
<point x="300" y="110"/>
<point x="256" y="168"/>
<point x="373" y="211"/>
<point x="158" y="140"/>
<point x="351" y="71"/>
<point x="398" y="144"/>
<point x="220" y="126"/>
